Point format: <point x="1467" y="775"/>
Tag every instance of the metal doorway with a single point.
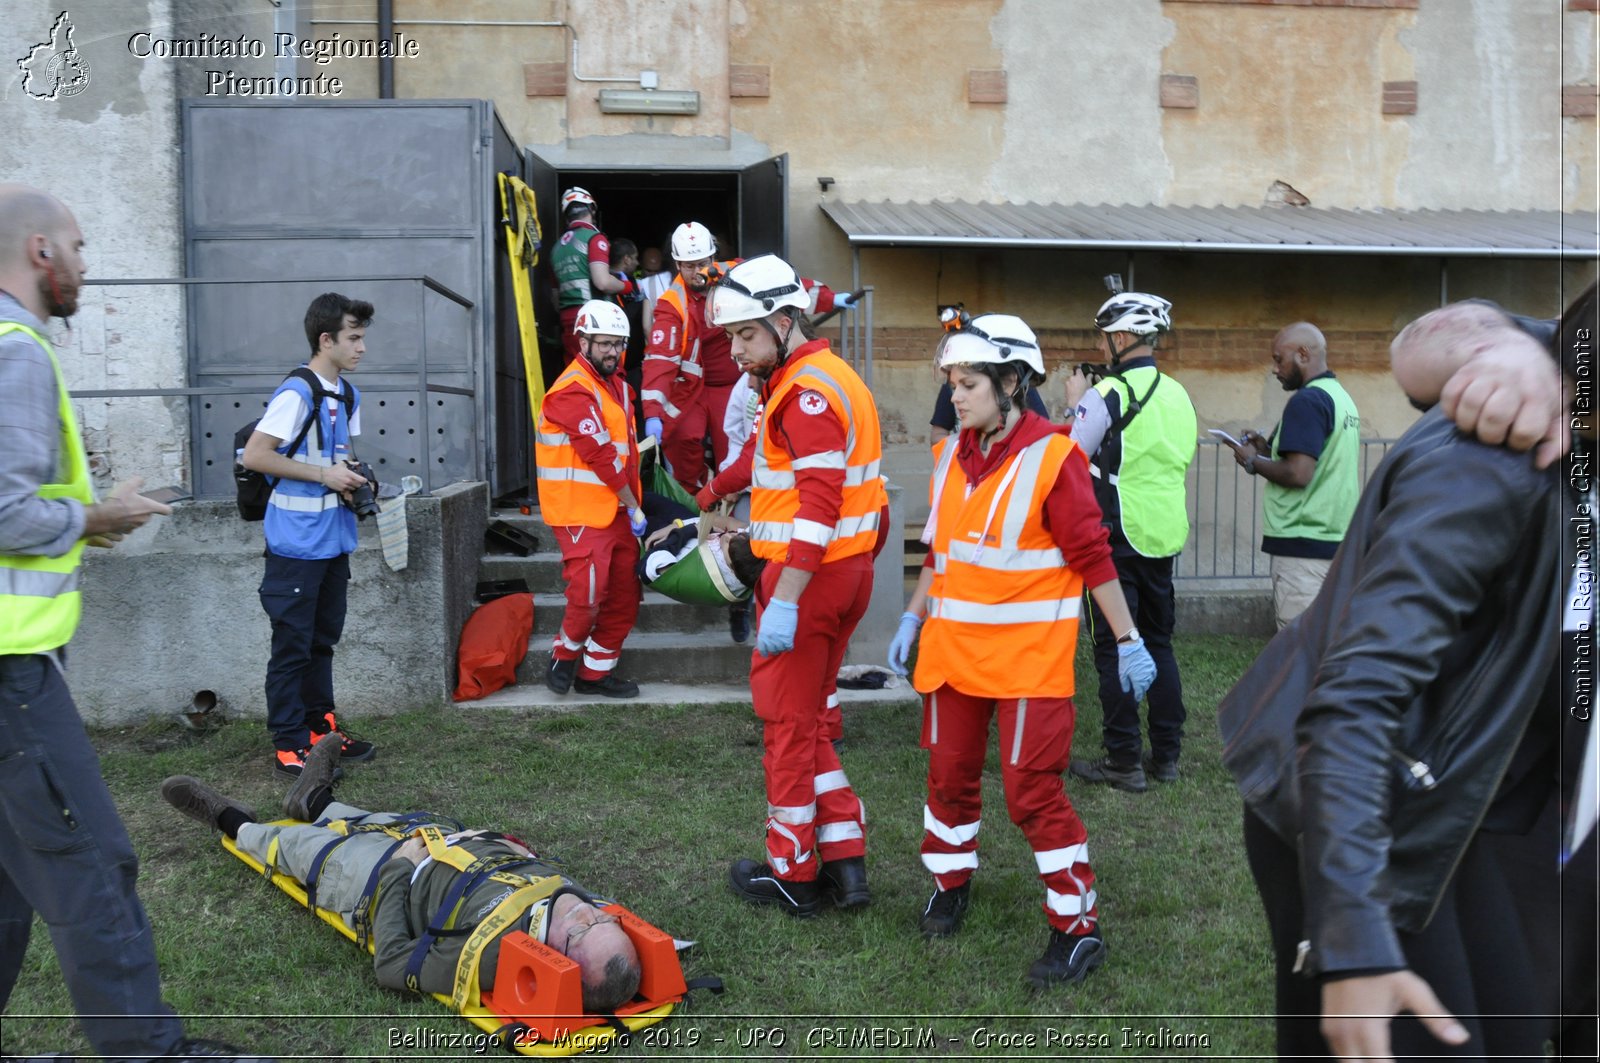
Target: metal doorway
<point x="363" y="196"/>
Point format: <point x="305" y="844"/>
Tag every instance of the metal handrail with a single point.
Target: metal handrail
<point x="422" y="387"/>
<point x="1209" y="554"/>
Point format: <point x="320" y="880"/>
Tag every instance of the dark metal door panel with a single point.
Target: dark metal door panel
<point x="764" y="208"/>
<point x="306" y="196"/>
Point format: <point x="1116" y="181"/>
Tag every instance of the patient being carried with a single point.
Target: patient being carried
<point x="703" y="560"/>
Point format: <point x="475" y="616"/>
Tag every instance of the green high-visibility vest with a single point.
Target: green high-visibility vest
<point x="1139" y="472"/>
<point x="1322" y="509"/>
<point x="570" y="261"/>
<point x="39" y="599"/>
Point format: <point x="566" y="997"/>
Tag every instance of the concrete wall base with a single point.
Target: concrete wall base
<point x="1229" y="610"/>
<point x="173" y="610"/>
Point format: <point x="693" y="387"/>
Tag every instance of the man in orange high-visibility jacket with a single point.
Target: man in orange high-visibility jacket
<point x="1015" y="536"/>
<point x="815" y="509"/>
<point x="589" y="491"/>
<point x="689" y="371"/>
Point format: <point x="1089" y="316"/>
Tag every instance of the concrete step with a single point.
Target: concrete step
<point x="669" y="656"/>
<point x="656" y="613"/>
<point x="542" y="570"/>
<point x="534" y="696"/>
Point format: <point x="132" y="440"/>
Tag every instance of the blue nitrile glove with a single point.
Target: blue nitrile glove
<point x="636" y="523"/>
<point x="900" y="645"/>
<point x="1136" y="668"/>
<point x="776" y="634"/>
<point x="652" y="427"/>
<point x="844" y="301"/>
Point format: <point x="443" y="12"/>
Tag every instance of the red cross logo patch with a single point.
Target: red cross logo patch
<point x="812" y="402"/>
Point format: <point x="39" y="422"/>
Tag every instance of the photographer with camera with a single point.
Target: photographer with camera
<point x="1139" y="429"/>
<point x="318" y="493"/>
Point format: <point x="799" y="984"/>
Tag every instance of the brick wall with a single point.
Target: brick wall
<point x="1212" y="349"/>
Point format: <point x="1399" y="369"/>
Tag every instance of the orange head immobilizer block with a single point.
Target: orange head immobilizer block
<point x="536" y="985"/>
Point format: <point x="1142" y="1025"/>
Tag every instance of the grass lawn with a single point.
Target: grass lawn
<point x="650" y="807"/>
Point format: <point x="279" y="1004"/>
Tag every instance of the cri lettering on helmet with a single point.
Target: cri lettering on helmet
<point x="812" y="402"/>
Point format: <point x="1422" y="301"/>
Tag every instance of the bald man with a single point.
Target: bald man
<point x="1312" y="467"/>
<point x="64" y="852"/>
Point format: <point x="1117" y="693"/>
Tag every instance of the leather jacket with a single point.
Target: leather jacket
<point x="1374" y="731"/>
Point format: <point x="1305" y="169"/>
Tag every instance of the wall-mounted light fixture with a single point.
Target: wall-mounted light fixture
<point x="649" y="101"/>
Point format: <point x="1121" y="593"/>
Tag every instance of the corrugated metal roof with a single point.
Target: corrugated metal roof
<point x="1302" y="230"/>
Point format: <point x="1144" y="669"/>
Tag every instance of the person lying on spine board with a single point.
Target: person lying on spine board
<point x="411" y="885"/>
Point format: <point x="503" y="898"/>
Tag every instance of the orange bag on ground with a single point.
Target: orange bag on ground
<point x="493" y="643"/>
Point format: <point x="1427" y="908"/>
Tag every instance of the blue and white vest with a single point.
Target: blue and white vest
<point x="307" y="520"/>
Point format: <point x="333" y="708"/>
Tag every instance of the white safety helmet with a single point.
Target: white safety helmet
<point x="1135" y="312"/>
<point x="598" y="317"/>
<point x="576" y="196"/>
<point x="754" y="289"/>
<point x="990" y="342"/>
<point x="692" y="242"/>
<point x="991" y="339"/>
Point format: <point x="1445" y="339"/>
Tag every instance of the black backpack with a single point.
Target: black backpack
<point x="253" y="488"/>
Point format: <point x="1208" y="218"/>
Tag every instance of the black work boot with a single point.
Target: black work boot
<point x="942" y="915"/>
<point x="559" y="676"/>
<point x="844" y="882"/>
<point x="1161" y="770"/>
<point x="200" y="802"/>
<point x="612" y="686"/>
<point x="757" y="884"/>
<point x="739" y="622"/>
<point x="1068" y="958"/>
<point x="1126" y="777"/>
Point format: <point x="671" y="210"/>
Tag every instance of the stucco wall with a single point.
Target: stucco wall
<point x="110" y="153"/>
<point x="1487" y="135"/>
<point x="874" y="95"/>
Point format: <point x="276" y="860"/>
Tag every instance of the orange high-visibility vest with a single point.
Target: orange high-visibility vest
<point x="570" y="492"/>
<point x="1003" y="607"/>
<point x="690" y="373"/>
<point x="774" y="498"/>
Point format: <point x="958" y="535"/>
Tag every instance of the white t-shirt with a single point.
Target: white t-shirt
<point x="738" y="421"/>
<point x="286" y="413"/>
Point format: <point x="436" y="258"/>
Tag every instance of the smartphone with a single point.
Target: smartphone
<point x="167" y="495"/>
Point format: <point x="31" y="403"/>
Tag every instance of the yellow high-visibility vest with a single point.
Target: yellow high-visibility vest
<point x="39" y="599"/>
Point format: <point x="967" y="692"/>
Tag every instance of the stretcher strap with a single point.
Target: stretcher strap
<point x="362" y="916"/>
<point x="346" y="829"/>
<point x="473" y="871"/>
<point x="505" y="915"/>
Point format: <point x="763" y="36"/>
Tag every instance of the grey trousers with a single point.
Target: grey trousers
<point x="65" y="854"/>
<point x="347" y="869"/>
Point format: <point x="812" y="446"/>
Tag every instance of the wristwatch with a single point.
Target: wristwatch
<point x="1129" y="636"/>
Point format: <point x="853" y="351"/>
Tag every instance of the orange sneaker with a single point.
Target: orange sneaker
<point x="352" y="748"/>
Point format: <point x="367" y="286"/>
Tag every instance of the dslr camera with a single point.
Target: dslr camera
<point x="363" y="498"/>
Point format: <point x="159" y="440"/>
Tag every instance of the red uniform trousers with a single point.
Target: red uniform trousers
<point x="833" y="718"/>
<point x="685" y="445"/>
<point x="1035" y="745"/>
<point x="602" y="594"/>
<point x="569" y="339"/>
<point x="810" y="805"/>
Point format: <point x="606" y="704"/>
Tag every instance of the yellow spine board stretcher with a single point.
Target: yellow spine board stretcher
<point x="535" y="986"/>
<point x="517" y="214"/>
